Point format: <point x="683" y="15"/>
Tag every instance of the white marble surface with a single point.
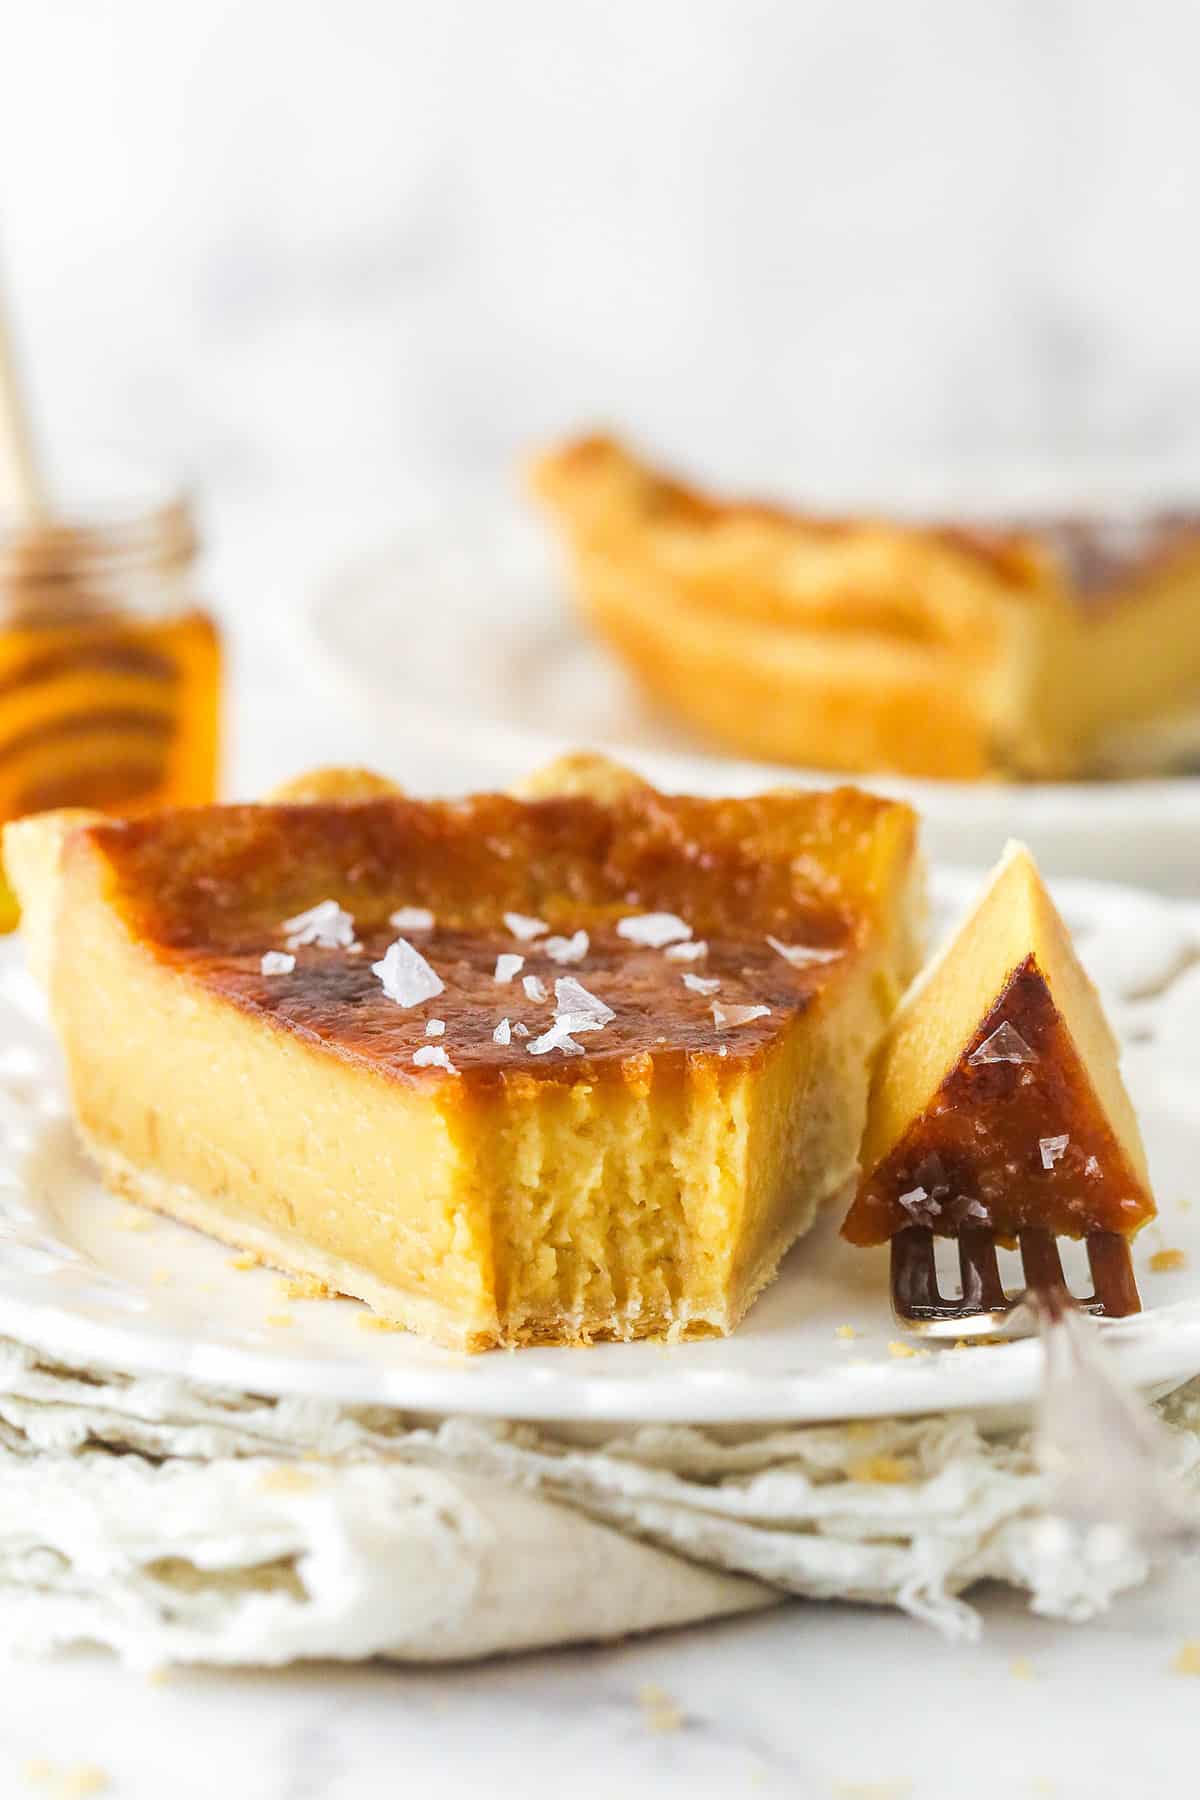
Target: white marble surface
<point x="810" y="1702"/>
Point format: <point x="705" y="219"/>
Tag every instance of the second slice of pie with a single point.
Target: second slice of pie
<point x="1038" y="647"/>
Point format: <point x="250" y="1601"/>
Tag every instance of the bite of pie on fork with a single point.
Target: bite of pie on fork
<point x="998" y="1116"/>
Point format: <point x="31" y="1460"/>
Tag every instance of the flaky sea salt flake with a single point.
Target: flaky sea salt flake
<point x="278" y="962"/>
<point x="525" y="928"/>
<point x="572" y="999"/>
<point x="502" y="1033"/>
<point x="917" y="1205"/>
<point x="406" y="977"/>
<point x="964" y="1207"/>
<point x="687" y="952"/>
<point x="535" y="988"/>
<point x="433" y="1056"/>
<point x="802" y="955"/>
<point x="702" y="984"/>
<point x="435" y="1027"/>
<point x="725" y="1018"/>
<point x="654" y="930"/>
<point x="325" y="925"/>
<point x="1005" y="1045"/>
<point x="564" y="950"/>
<point x="1052" y="1149"/>
<point x="412" y="918"/>
<point x="507" y="965"/>
<point x="557" y="1038"/>
<point x="519" y="1029"/>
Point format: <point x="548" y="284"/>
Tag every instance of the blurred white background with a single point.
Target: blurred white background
<point x="311" y="250"/>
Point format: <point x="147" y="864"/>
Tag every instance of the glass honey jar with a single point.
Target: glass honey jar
<point x="109" y="669"/>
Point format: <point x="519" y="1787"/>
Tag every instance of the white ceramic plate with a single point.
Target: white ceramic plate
<point x="85" y="1276"/>
<point x="461" y="639"/>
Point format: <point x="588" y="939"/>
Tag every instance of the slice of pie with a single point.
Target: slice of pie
<point x="513" y="1070"/>
<point x="1041" y="648"/>
<point x="997" y="1100"/>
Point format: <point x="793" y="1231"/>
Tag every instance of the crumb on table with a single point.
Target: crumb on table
<point x="76" y="1783"/>
<point x="286" y="1478"/>
<point x="659" y="1710"/>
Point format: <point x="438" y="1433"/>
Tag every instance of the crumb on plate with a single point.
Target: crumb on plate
<point x="305" y="1287"/>
<point x="659" y="1710"/>
<point x="882" y="1469"/>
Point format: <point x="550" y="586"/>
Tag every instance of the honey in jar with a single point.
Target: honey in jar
<point x="109" y="669"/>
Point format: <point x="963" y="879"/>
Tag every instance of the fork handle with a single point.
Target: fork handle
<point x="1106" y="1457"/>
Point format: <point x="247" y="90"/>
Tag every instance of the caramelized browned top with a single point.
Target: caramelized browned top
<point x="210" y="890"/>
<point x="987" y="1149"/>
<point x="335" y="999"/>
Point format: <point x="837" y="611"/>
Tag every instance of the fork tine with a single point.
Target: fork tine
<point x="1115" y="1293"/>
<point x="982" y="1288"/>
<point x="914" y="1273"/>
<point x="1043" y="1264"/>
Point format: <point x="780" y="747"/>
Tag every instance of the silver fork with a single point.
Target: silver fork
<point x="985" y="1309"/>
<point x="1106" y="1457"/>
